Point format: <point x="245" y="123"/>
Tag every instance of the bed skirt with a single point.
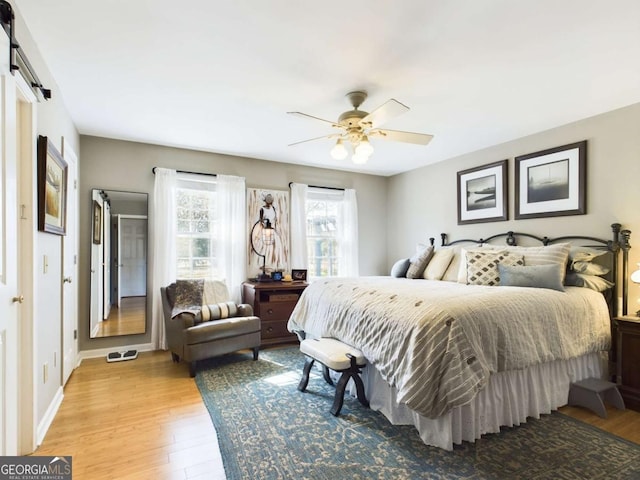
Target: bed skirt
<point x="508" y="399"/>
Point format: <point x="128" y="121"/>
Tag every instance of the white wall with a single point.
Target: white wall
<point x="121" y="165"/>
<point x="422" y="203"/>
<point x="53" y="121"/>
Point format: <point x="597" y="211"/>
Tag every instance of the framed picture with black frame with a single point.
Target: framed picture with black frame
<point x="299" y="275"/>
<point x="482" y="194"/>
<point x="52" y="188"/>
<point x="552" y="183"/>
<point x="97" y="223"/>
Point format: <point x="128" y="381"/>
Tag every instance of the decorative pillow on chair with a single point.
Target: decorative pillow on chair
<point x="219" y="311"/>
<point x="537" y="276"/>
<point x="482" y="266"/>
<point x="188" y="296"/>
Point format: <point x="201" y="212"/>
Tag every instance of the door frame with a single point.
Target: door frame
<point x="70" y="325"/>
<point x="26" y="156"/>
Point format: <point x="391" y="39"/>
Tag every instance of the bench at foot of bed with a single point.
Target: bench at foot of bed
<point x="337" y="356"/>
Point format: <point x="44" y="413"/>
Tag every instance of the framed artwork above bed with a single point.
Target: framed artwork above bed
<point x="552" y="183"/>
<point x="482" y="194"/>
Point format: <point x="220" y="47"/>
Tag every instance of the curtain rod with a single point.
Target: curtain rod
<point x="190" y="173"/>
<point x="318" y="186"/>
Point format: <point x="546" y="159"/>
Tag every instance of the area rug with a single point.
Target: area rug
<point x="267" y="429"/>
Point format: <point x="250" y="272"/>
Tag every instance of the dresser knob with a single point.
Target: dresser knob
<point x="270" y="329"/>
<point x="270" y="312"/>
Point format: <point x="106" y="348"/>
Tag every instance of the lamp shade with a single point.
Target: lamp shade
<point x="635" y="276"/>
<point x="267" y="233"/>
<point x="364" y="148"/>
<point x="339" y="151"/>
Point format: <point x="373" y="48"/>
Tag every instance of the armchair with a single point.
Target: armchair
<point x="191" y="338"/>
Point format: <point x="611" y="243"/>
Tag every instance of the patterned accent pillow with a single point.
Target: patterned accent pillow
<point x="219" y="311"/>
<point x="419" y="262"/>
<point x="188" y="296"/>
<point x="482" y="267"/>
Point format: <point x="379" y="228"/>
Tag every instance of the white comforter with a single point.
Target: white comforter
<point x="438" y="342"/>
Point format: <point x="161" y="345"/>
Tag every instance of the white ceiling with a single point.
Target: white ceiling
<point x="220" y="76"/>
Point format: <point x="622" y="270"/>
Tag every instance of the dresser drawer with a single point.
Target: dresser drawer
<point x="277" y="329"/>
<point x="276" y="310"/>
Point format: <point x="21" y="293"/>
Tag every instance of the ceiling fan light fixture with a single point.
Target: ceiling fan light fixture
<point x="364" y="148"/>
<point x="339" y="151"/>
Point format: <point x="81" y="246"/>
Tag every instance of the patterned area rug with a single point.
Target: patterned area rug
<point x="267" y="429"/>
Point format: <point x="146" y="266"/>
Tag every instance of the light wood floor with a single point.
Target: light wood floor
<point x="145" y="418"/>
<point x="128" y="319"/>
<point x="136" y="419"/>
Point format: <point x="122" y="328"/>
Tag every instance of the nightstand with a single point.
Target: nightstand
<point x="273" y="302"/>
<point x="628" y="359"/>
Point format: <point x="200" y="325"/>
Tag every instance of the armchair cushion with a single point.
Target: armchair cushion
<point x="220" y="329"/>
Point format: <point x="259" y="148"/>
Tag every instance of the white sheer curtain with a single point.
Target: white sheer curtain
<point x="231" y="238"/>
<point x="299" y="257"/>
<point x="348" y="264"/>
<point x="163" y="248"/>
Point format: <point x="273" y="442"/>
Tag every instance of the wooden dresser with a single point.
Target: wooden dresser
<point x="273" y="302"/>
<point x="628" y="359"/>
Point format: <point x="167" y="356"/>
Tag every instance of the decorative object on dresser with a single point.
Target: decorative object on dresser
<point x="482" y="194"/>
<point x="273" y="302"/>
<point x="552" y="183"/>
<point x="627" y="340"/>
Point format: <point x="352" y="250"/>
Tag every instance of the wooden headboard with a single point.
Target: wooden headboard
<point x="618" y="264"/>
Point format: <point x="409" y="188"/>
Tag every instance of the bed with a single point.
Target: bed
<point x="458" y="354"/>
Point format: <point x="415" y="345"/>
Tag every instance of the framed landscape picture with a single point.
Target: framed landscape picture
<point x="482" y="194"/>
<point x="552" y="182"/>
<point x="52" y="188"/>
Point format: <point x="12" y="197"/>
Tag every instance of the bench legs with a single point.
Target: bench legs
<point x="304" y="381"/>
<point x="352" y="373"/>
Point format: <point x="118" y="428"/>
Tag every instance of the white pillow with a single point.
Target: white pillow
<point x="451" y="273"/>
<point x="438" y="264"/>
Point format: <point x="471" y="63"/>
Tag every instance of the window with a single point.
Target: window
<point x="323" y="214"/>
<point x="196" y="228"/>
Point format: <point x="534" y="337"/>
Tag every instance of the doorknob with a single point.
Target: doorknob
<point x="19" y="299"/>
<point x="66" y="279"/>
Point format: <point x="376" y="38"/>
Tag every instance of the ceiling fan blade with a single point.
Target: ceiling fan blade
<point x="385" y="112"/>
<point x="398" y="136"/>
<point x="304" y="115"/>
<point x="333" y="135"/>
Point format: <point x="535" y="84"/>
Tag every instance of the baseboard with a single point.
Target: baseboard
<point x="49" y="415"/>
<point x="103" y="352"/>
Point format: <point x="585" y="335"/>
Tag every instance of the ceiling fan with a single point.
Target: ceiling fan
<point x="356" y="126"/>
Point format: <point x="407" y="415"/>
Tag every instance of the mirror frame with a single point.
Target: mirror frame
<point x="106" y="303"/>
